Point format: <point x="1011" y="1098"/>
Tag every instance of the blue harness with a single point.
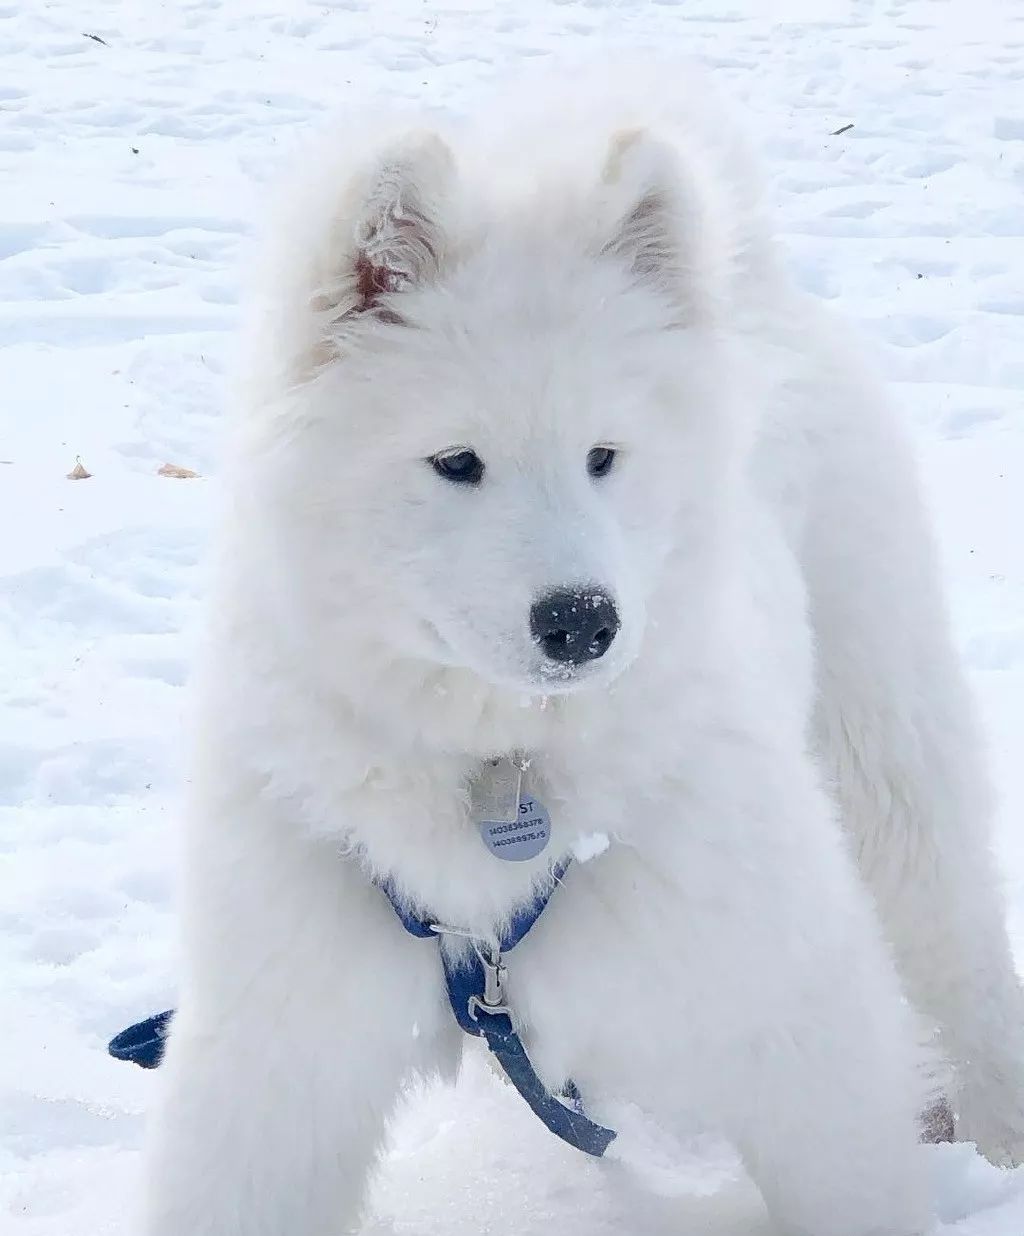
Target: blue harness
<point x="475" y="979"/>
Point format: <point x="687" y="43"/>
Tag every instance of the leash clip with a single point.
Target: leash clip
<point x="495" y="973"/>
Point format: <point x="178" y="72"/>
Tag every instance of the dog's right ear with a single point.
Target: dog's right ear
<point x="662" y="230"/>
<point x="397" y="240"/>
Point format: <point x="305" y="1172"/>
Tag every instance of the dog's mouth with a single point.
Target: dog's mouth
<point x="562" y="680"/>
<point x="541" y="678"/>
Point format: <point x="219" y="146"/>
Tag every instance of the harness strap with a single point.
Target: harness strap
<point x="566" y="1119"/>
<point x="475" y="983"/>
<point x="143" y="1043"/>
<point x="518" y="925"/>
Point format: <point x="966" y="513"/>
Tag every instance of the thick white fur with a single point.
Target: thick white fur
<point x="588" y="268"/>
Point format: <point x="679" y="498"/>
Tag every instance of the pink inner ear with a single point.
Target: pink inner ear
<point x="373" y="281"/>
<point x="412" y="248"/>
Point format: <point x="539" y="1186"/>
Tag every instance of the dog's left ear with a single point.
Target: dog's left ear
<point x="386" y="236"/>
<point x="399" y="238"/>
<point x="654" y="223"/>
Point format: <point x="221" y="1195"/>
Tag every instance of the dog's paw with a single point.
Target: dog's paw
<point x="937" y="1123"/>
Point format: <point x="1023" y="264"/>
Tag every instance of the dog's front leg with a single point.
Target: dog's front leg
<point x="304" y="1005"/>
<point x="819" y="1076"/>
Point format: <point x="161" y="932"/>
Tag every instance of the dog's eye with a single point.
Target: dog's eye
<point x="600" y="460"/>
<point x="462" y="467"/>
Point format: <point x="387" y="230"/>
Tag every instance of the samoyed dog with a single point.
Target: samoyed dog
<point x="544" y="464"/>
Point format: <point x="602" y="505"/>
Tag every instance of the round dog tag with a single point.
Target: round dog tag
<point x="524" y="837"/>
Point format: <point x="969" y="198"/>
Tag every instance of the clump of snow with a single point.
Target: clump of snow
<point x="589" y="845"/>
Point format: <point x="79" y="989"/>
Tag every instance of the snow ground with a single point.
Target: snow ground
<point x="130" y="169"/>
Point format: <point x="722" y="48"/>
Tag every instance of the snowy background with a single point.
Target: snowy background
<point x="130" y="171"/>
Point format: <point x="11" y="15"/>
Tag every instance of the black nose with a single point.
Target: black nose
<point x="574" y="625"/>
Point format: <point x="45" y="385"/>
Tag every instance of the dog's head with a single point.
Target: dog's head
<point x="505" y="415"/>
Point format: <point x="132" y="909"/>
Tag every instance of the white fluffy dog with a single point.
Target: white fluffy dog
<point x="542" y="454"/>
